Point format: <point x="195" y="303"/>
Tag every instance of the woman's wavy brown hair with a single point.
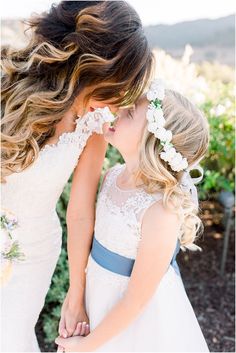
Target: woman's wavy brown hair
<point x="78" y="44"/>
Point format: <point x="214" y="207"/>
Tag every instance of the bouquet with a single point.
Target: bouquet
<point x="9" y="246"/>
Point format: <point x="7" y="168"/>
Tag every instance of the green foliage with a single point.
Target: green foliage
<point x="219" y="162"/>
<point x="112" y="157"/>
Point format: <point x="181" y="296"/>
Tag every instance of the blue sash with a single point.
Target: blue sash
<point x="120" y="264"/>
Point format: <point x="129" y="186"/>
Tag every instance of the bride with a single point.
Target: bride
<point x="83" y="55"/>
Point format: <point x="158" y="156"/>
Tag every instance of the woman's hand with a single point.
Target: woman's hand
<point x="74" y="320"/>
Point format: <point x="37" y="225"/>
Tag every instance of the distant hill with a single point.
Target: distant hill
<point x="210" y="39"/>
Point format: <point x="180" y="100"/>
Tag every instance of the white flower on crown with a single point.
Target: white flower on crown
<point x="156" y="123"/>
<point x="179" y="165"/>
<point x="150" y="113"/>
<point x="155" y="115"/>
<point x="156" y="91"/>
<point x="175" y="159"/>
<point x="163" y="134"/>
<point x="153" y="127"/>
<point x="169" y="154"/>
<point x="159" y="117"/>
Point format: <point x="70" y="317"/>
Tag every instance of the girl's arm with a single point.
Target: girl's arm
<point x="159" y="237"/>
<point x="80" y="225"/>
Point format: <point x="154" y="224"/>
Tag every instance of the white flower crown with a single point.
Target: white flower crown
<point x="156" y="123"/>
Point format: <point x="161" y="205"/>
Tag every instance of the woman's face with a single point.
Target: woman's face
<point x="82" y="106"/>
<point x="128" y="128"/>
<point x="93" y="104"/>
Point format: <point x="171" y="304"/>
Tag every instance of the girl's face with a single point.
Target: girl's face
<point x="128" y="128"/>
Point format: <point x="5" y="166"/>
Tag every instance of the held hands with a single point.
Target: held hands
<point x="70" y="344"/>
<point x="74" y="322"/>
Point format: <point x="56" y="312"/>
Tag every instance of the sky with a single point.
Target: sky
<point x="150" y="11"/>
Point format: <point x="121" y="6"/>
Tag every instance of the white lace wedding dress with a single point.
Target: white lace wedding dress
<point x="168" y="322"/>
<point x="32" y="196"/>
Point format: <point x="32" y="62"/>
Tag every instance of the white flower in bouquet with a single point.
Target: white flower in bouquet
<point x="106" y="114"/>
<point x="100" y="116"/>
<point x="5" y="241"/>
<point x="91" y="122"/>
<point x="9" y="246"/>
<point x="8" y="220"/>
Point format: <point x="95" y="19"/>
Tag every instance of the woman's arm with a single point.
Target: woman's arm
<point x="159" y="237"/>
<point x="80" y="223"/>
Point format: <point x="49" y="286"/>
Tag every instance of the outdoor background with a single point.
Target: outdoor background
<point x="194" y="46"/>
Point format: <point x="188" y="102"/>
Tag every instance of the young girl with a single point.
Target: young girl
<point x="146" y="211"/>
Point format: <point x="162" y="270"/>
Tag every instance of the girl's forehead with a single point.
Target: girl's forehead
<point x="140" y="108"/>
<point x="143" y="99"/>
<point x="141" y="102"/>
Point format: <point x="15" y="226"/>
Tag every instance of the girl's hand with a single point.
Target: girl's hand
<point x="70" y="344"/>
<point x="74" y="320"/>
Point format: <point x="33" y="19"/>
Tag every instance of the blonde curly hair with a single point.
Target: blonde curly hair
<point x="190" y="131"/>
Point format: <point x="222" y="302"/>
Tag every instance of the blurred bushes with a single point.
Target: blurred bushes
<point x="219" y="164"/>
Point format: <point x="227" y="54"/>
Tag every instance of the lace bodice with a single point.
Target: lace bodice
<point x="34" y="191"/>
<point x="119" y="215"/>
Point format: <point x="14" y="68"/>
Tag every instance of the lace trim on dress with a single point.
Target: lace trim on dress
<point x="85" y="127"/>
<point x="80" y="134"/>
<point x="125" y="201"/>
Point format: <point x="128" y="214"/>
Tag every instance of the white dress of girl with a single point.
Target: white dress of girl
<point x="168" y="322"/>
<point x="31" y="196"/>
